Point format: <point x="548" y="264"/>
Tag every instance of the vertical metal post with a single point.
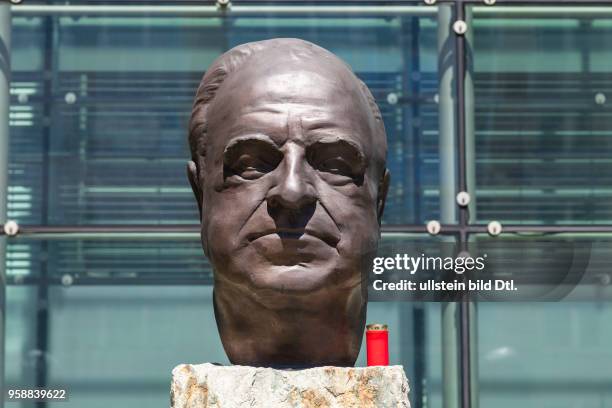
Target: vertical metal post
<point x="468" y="99"/>
<point x="464" y="108"/>
<point x="457" y="173"/>
<point x="448" y="182"/>
<point x="413" y="316"/>
<point x="5" y="71"/>
<point x="42" y="311"/>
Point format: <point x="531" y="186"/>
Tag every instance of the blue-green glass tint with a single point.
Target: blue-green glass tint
<point x="536" y="355"/>
<point x="109" y="261"/>
<point x="100" y="106"/>
<point x="548" y="267"/>
<point x="547" y="354"/>
<point x="75" y="318"/>
<point x="543" y="87"/>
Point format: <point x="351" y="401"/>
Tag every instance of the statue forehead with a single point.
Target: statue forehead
<point x="314" y="89"/>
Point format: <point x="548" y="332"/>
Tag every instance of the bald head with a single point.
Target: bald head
<point x="289" y="172"/>
<point x="252" y="66"/>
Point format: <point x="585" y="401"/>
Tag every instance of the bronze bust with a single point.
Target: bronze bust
<point x="288" y="168"/>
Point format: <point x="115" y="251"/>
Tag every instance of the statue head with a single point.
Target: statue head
<point x="288" y="169"/>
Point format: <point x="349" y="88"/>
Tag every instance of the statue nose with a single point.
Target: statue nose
<point x="293" y="190"/>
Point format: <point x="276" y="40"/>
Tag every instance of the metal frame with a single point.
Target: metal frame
<point x="461" y="313"/>
<point x="5" y="67"/>
<point x="540" y="8"/>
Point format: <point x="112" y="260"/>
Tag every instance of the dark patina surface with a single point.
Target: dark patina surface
<point x="288" y="168"/>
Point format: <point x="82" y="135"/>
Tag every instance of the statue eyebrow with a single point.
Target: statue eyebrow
<point x="258" y="138"/>
<point x="339" y="140"/>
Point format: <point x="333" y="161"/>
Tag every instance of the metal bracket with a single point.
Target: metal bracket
<point x="223" y="4"/>
<point x="11" y="228"/>
<point x="494" y="228"/>
<point x="434" y="227"/>
<point x="463" y="198"/>
<point x="460" y="27"/>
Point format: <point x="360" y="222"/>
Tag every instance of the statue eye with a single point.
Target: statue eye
<point x="250" y="167"/>
<point x="338" y="162"/>
<point x="250" y="159"/>
<point x="336" y="165"/>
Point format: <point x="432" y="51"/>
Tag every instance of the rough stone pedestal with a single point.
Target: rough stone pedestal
<point x="210" y="386"/>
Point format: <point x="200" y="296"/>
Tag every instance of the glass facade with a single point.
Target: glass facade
<point x="107" y="288"/>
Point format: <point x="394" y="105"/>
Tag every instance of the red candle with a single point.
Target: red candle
<point x="377" y="344"/>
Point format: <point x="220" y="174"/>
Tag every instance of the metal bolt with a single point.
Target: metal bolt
<point x="436" y="98"/>
<point x="11" y="228"/>
<point x="67" y="280"/>
<point x="433" y="227"/>
<point x="600" y="98"/>
<point x="460" y="27"/>
<point x="392" y="98"/>
<point x="463" y="198"/>
<point x="22" y="98"/>
<point x="494" y="228"/>
<point x="16" y="1"/>
<point x="70" y="98"/>
<point x="430" y="2"/>
<point x="223" y="3"/>
<point x="489" y="2"/>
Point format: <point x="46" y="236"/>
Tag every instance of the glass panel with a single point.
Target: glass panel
<point x="20" y="348"/>
<point x="542" y="79"/>
<point x="543" y="354"/>
<point x="537" y="355"/>
<point x="101" y="136"/>
<point x="548" y="266"/>
<point x="113" y="261"/>
<point x="114" y="344"/>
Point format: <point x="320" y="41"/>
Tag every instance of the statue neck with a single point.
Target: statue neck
<point x="290" y="331"/>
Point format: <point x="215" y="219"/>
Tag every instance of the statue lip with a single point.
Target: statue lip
<point x="295" y="233"/>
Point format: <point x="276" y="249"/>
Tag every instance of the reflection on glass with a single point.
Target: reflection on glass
<point x="543" y="135"/>
<point x="115" y="316"/>
<point x="104" y="139"/>
<point x="109" y="261"/>
<point x="548" y="267"/>
<point x="544" y="354"/>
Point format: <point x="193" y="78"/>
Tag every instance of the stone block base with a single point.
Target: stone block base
<point x="210" y="386"/>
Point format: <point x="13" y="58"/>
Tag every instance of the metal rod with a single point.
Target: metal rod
<point x="463" y="307"/>
<point x="93" y="281"/>
<point x="548" y="229"/>
<point x="5" y="71"/>
<point x="411" y="85"/>
<point x="467" y="175"/>
<point x="448" y="214"/>
<point x="50" y="63"/>
<point x="213" y="11"/>
<point x="587" y="8"/>
<point x="542" y="2"/>
<point x="187" y="231"/>
<point x="460" y="115"/>
<point x="465" y="337"/>
<point x="527" y="11"/>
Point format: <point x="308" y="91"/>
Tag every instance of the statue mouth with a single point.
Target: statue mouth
<point x="295" y="234"/>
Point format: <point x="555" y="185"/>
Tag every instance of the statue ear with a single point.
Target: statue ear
<point x="194" y="181"/>
<point x="383" y="189"/>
